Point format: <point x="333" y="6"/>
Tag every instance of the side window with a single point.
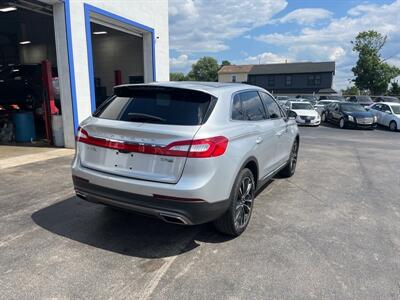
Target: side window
<point x="385" y="108"/>
<point x="253" y="109"/>
<point x="377" y="106"/>
<point x="233" y="78"/>
<point x="353" y="99"/>
<point x="237" y="110"/>
<point x="272" y="107"/>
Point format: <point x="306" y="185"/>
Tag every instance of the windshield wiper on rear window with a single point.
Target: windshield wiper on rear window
<point x="138" y="117"/>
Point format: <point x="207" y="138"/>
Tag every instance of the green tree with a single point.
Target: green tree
<point x="351" y="90"/>
<point x="395" y="89"/>
<point x="177" y="76"/>
<point x="372" y="73"/>
<point x="225" y="63"/>
<point x="205" y="69"/>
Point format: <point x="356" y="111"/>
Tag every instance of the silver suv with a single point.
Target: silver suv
<point x="185" y="152"/>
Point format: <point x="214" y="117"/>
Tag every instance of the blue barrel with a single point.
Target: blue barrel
<point x="24" y="126"/>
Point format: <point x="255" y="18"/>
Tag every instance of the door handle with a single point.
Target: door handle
<point x="259" y="140"/>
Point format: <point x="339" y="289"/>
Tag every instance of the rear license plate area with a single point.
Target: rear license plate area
<point x="123" y="160"/>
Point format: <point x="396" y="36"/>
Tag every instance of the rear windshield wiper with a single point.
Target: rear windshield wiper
<point x="145" y="117"/>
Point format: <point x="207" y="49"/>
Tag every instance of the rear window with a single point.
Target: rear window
<point x="158" y="105"/>
<point x="364" y="99"/>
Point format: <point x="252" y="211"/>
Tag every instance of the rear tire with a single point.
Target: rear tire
<point x="342" y="124"/>
<point x="290" y="168"/>
<point x="393" y="126"/>
<point x="323" y="117"/>
<point x="237" y="217"/>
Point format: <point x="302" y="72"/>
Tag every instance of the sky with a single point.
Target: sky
<point x="275" y="31"/>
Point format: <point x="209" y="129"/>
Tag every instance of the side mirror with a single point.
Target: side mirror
<point x="368" y="108"/>
<point x="388" y="112"/>
<point x="291" y="114"/>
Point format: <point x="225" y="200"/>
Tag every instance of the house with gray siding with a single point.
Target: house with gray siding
<point x="284" y="78"/>
<point x="294" y="78"/>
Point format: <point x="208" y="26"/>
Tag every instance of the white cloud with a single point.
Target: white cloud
<point x="305" y="16"/>
<point x="332" y="42"/>
<point x="265" y="58"/>
<point x="205" y="26"/>
<point x="182" y="63"/>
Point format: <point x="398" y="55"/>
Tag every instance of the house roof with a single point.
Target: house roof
<point x="235" y="69"/>
<point x="291" y="68"/>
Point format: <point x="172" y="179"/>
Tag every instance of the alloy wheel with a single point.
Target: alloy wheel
<point x="293" y="157"/>
<point x="244" y="202"/>
<point x="341" y="123"/>
<point x="392" y="126"/>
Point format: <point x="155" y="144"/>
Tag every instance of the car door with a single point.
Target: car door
<point x="386" y="115"/>
<point x="334" y="112"/>
<point x="277" y="119"/>
<point x="376" y="109"/>
<point x="265" y="140"/>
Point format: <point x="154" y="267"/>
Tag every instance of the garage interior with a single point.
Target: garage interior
<point x="29" y="93"/>
<point x="117" y="59"/>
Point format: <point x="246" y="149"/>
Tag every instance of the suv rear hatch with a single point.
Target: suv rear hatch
<point x="144" y="132"/>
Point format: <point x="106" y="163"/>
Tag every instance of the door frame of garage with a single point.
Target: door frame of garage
<point x="93" y="14"/>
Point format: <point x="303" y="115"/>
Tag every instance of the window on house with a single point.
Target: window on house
<point x="271" y="81"/>
<point x="233" y="78"/>
<point x="288" y="80"/>
<point x="317" y="80"/>
<point x="310" y="80"/>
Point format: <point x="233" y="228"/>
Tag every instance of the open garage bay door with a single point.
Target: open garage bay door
<point x="120" y="53"/>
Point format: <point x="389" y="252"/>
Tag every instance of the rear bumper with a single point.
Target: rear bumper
<point x="174" y="211"/>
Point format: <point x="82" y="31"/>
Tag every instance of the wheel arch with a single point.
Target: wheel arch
<point x="251" y="163"/>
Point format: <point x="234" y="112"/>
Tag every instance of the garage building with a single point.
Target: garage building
<point x="59" y="60"/>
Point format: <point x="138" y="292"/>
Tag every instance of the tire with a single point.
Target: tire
<point x="237" y="217"/>
<point x="393" y="126"/>
<point x="342" y="124"/>
<point x="290" y="168"/>
<point x="323" y="117"/>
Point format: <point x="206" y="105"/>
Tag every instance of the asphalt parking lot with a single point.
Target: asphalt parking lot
<point x="331" y="231"/>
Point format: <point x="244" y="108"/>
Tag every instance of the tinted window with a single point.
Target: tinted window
<point x="305" y="105"/>
<point x="157" y="105"/>
<point x="377" y="106"/>
<point x="364" y="99"/>
<point x="350" y="107"/>
<point x="252" y="106"/>
<point x="237" y="111"/>
<point x="272" y="107"/>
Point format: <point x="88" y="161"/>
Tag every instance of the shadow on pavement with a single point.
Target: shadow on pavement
<point x="120" y="231"/>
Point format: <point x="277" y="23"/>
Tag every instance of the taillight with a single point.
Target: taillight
<point x="201" y="148"/>
<point x="82" y="135"/>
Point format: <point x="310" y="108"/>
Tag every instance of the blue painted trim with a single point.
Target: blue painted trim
<point x="90" y="57"/>
<point x="71" y="65"/>
<point x="90" y="8"/>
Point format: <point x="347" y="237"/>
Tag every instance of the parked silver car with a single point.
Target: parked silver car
<point x="185" y="152"/>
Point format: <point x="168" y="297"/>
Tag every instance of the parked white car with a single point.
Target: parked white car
<point x="388" y="114"/>
<point x="304" y="113"/>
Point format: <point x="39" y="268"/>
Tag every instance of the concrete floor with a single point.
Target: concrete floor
<point x="331" y="231"/>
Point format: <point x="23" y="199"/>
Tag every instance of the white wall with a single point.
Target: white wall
<point x="240" y="77"/>
<point x="150" y="13"/>
<point x="128" y="58"/>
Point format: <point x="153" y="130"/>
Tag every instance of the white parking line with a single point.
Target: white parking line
<point x="32" y="158"/>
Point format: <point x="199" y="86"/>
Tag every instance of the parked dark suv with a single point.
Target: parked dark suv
<point x="362" y="100"/>
<point x="347" y="114"/>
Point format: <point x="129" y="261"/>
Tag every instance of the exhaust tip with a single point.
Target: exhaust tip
<point x="174" y="219"/>
<point x="80" y="195"/>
